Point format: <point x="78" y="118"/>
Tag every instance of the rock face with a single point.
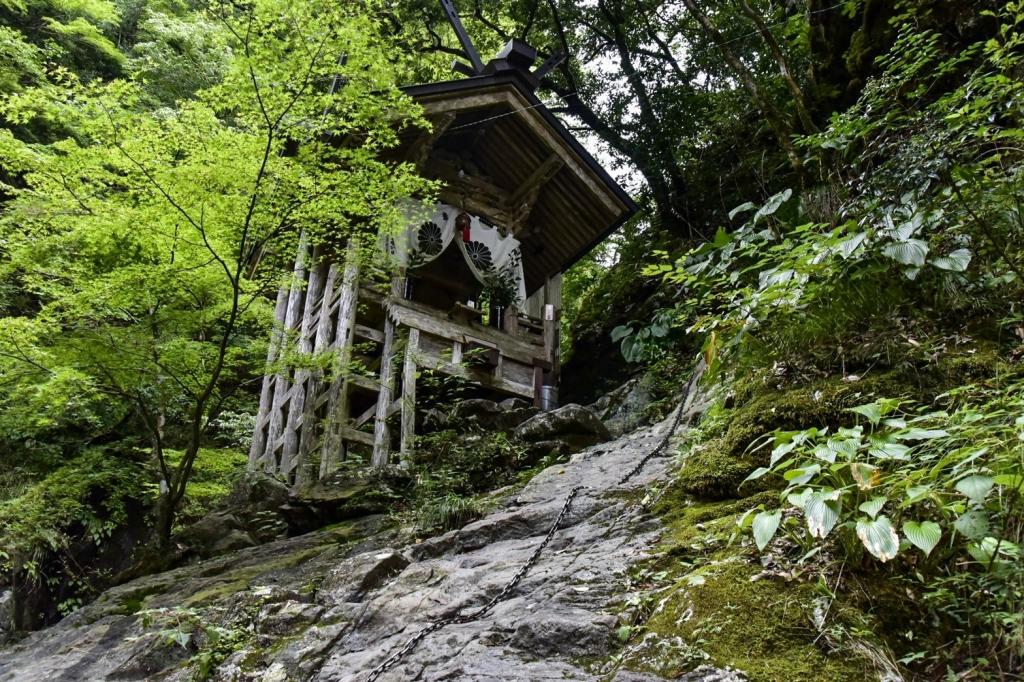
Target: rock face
<point x="575" y="426"/>
<point x="328" y="606"/>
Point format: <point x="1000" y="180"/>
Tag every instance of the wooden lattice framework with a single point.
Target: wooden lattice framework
<point x="310" y="420"/>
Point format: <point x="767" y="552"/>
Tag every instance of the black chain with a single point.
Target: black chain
<point x="662" y="445"/>
<point x="394" y="658"/>
<point x="413" y="641"/>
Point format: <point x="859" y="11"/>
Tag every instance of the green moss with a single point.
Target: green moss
<point x="239" y="579"/>
<point x="762" y="627"/>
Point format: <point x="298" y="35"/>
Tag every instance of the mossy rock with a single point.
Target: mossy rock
<point x="711" y="472"/>
<point x="762" y="628"/>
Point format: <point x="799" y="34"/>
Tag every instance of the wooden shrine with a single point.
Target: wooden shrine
<point x="521" y="202"/>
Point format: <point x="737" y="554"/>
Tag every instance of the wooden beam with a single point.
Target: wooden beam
<point x="479" y="377"/>
<point x="364" y="332"/>
<point x="348" y="433"/>
<point x="520" y="204"/>
<point x="527" y="113"/>
<point x="541" y="174"/>
<point x="409" y="395"/>
<point x="315" y="394"/>
<point x="292" y="458"/>
<point x="412" y="314"/>
<point x="420" y="151"/>
<point x="381" y="433"/>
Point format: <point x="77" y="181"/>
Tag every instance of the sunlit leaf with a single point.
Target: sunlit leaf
<point x="911" y="252"/>
<point x="742" y="208"/>
<point x="822" y="513"/>
<point x="878" y="537"/>
<point x="764" y="527"/>
<point x="773" y="204"/>
<point x="873" y="412"/>
<point x="883" y="450"/>
<point x="954" y="262"/>
<point x="972" y="524"/>
<point x="873" y="506"/>
<point x="921" y="434"/>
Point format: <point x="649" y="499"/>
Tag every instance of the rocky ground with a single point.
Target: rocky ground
<point x="334" y="604"/>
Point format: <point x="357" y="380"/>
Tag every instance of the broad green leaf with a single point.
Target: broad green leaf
<point x="799" y="499"/>
<point x="883" y="450"/>
<point x="802" y="475"/>
<point x="924" y="535"/>
<point x="920" y="434"/>
<point x="878" y="537"/>
<point x="621" y="332"/>
<point x="742" y="208"/>
<point x="721" y="236"/>
<point x="848" y="247"/>
<point x="822" y="512"/>
<point x="824" y="452"/>
<point x="756" y="474"/>
<point x="917" y="493"/>
<point x="989" y="548"/>
<point x="1011" y="481"/>
<point x="910" y="252"/>
<point x="773" y="204"/>
<point x="954" y="262"/>
<point x="972" y="524"/>
<point x="873" y="412"/>
<point x="781" y="451"/>
<point x="873" y="506"/>
<point x="764" y="527"/>
<point x="976" y="487"/>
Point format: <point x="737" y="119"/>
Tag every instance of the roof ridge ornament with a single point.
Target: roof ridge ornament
<point x="516" y="56"/>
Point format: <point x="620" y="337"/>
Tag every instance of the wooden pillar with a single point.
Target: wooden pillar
<point x="257" y="450"/>
<point x="282" y="385"/>
<point x="512" y="320"/>
<point x="314" y="388"/>
<point x="332" y="451"/>
<point x="381" y="433"/>
<point x="291" y="457"/>
<point x="409" y="395"/>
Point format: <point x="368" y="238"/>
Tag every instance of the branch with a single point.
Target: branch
<point x="773" y="46"/>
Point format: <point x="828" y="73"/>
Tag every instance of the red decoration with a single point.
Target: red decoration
<point x="462" y="224"/>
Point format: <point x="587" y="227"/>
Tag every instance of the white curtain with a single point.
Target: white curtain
<point x="489" y="255"/>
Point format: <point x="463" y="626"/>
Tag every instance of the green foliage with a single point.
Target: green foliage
<point x="213" y="475"/>
<point x="927" y="229"/>
<point x="193" y="630"/>
<point x="156" y="329"/>
<point x="87" y="497"/>
<point x="939" y="490"/>
<point x="450" y="469"/>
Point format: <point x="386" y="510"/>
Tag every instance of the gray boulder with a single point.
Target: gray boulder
<point x="624" y="409"/>
<point x="574" y="425"/>
<point x="7" y="625"/>
<point x="492" y="416"/>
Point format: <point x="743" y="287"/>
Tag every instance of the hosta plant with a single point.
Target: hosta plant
<point x="903" y="480"/>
